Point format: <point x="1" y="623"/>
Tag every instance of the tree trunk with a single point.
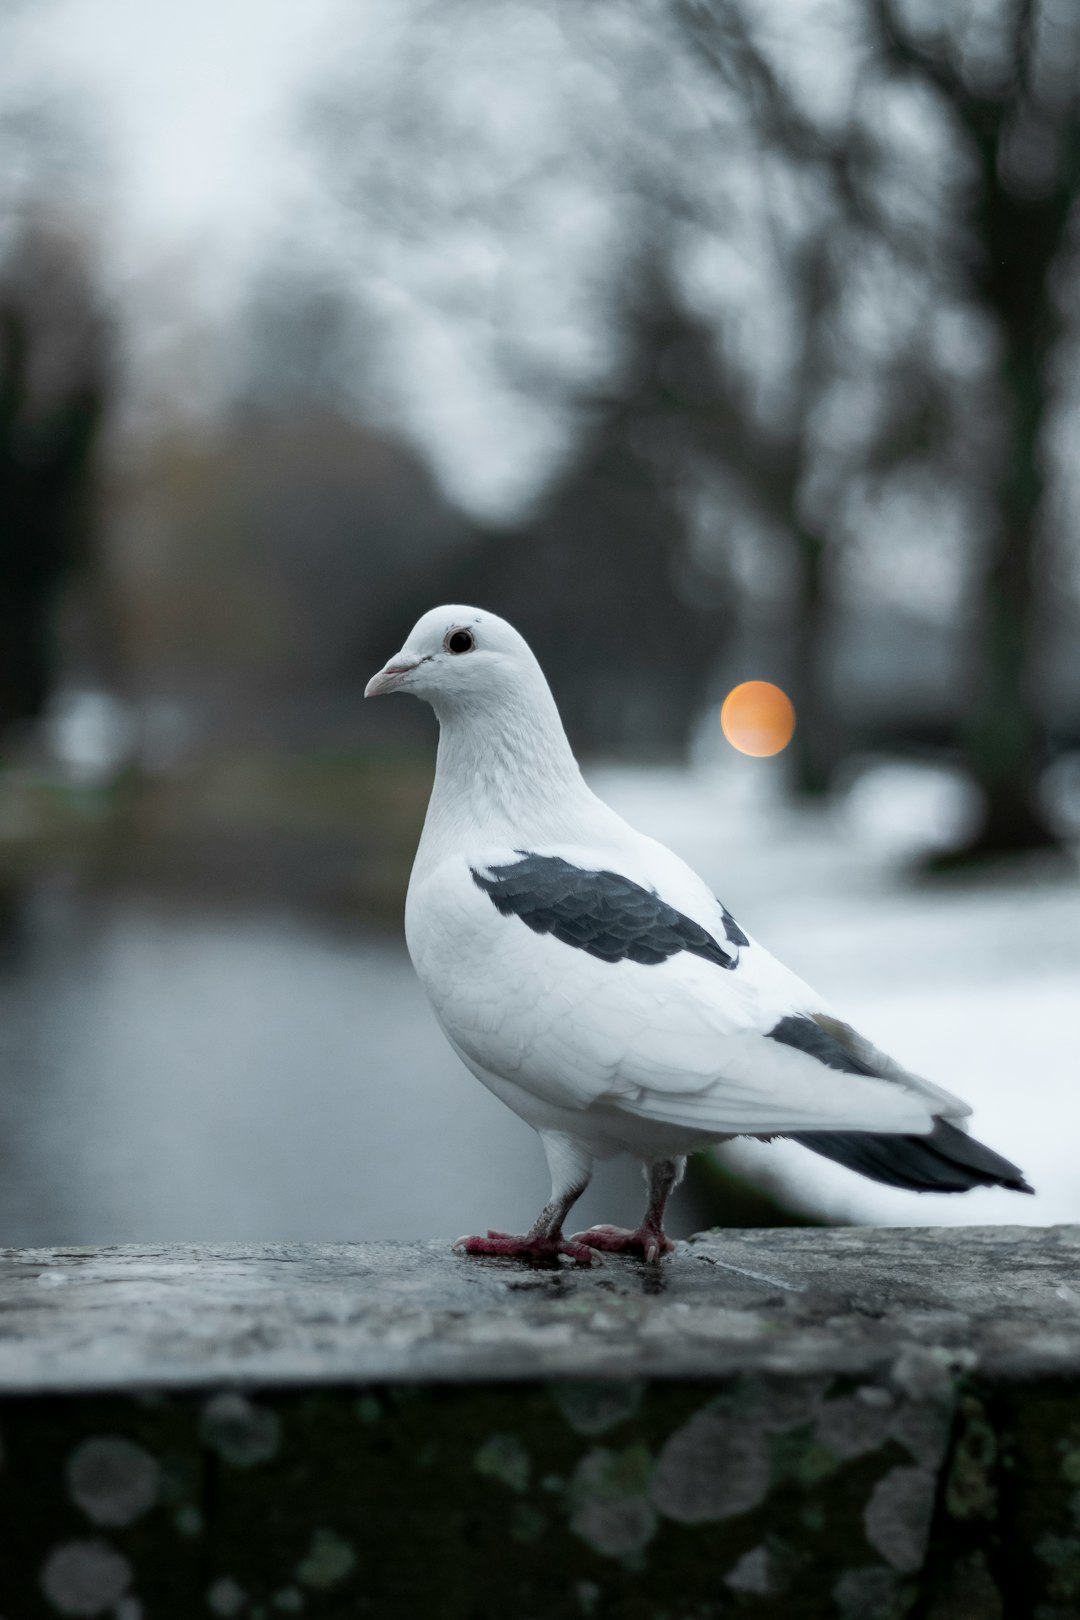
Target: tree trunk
<point x="815" y="744"/>
<point x="1003" y="736"/>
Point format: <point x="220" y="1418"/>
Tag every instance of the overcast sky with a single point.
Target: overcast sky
<point x="204" y="172"/>
<point x="196" y="106"/>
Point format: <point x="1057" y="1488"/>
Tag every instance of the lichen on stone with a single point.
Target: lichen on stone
<point x="971" y="1490"/>
<point x="1062" y="1556"/>
<point x="872" y="1593"/>
<point x="967" y="1591"/>
<point x="226" y="1597"/>
<point x="593" y="1406"/>
<point x="897" y="1517"/>
<point x="503" y="1457"/>
<point x="329" y="1561"/>
<point x="609" y="1503"/>
<point x="85" y="1577"/>
<point x="922" y="1428"/>
<point x="588" y="1596"/>
<point x="113" y="1480"/>
<point x="289" y="1599"/>
<point x="239" y="1431"/>
<point x="927" y="1372"/>
<point x="713" y="1467"/>
<point x="751" y="1573"/>
<point x="778" y="1405"/>
<point x="851" y="1425"/>
<point x="802" y="1456"/>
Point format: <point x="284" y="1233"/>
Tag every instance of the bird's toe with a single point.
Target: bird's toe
<point x="580" y="1253"/>
<point x="543" y="1251"/>
<point x="644" y="1244"/>
<point x="613" y="1239"/>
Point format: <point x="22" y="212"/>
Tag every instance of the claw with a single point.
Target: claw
<point x="645" y="1244"/>
<point x="535" y="1250"/>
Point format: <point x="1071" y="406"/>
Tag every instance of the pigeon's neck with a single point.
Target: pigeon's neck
<point x="506" y="775"/>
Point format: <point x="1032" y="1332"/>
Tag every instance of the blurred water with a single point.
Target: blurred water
<point x="171" y="1074"/>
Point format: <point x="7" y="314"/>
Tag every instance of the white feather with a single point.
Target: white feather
<point x="682" y="1042"/>
<point x="614" y="1054"/>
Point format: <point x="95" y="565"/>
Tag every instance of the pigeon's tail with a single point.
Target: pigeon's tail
<point x="945" y="1161"/>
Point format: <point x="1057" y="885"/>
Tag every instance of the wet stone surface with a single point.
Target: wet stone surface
<point x="844" y="1423"/>
<point x="1004" y="1300"/>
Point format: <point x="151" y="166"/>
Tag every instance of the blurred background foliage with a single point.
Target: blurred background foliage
<point x="707" y="341"/>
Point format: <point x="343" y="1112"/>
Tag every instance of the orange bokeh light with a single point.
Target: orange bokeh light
<point x="758" y="718"/>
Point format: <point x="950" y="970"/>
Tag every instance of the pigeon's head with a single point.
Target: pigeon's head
<point x="456" y="657"/>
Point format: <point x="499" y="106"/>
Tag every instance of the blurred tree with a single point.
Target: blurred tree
<point x="263" y="563"/>
<point x="668" y="137"/>
<point x="1009" y="77"/>
<point x="770" y="454"/>
<point x="977" y="228"/>
<point x="860" y="395"/>
<point x="302" y="343"/>
<point x="845" y="195"/>
<point x="601" y="579"/>
<point x="264" y="570"/>
<point x="54" y="383"/>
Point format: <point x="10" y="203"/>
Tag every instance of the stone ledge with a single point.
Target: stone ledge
<point x="1003" y="1301"/>
<point x="846" y="1424"/>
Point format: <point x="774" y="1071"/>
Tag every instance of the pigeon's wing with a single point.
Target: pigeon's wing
<point x="587" y="985"/>
<point x="846" y="1046"/>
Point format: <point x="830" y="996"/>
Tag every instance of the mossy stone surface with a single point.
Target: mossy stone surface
<point x="461" y="1503"/>
<point x="785" y="1432"/>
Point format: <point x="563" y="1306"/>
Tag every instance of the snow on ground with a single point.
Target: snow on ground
<point x="975" y="985"/>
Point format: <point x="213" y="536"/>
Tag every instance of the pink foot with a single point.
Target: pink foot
<point x="646" y="1243"/>
<point x="542" y="1251"/>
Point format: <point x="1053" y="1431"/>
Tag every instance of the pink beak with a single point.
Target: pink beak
<point x="390" y="676"/>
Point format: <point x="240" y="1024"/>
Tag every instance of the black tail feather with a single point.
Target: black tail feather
<point x="945" y="1161"/>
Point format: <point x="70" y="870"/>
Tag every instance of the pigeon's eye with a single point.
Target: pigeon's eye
<point x="460" y="641"/>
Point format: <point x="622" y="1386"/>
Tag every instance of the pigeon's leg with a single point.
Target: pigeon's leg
<point x="571" y="1167"/>
<point x="650" y="1241"/>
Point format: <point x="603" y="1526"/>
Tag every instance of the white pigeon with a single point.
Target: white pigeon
<point x="596" y="985"/>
